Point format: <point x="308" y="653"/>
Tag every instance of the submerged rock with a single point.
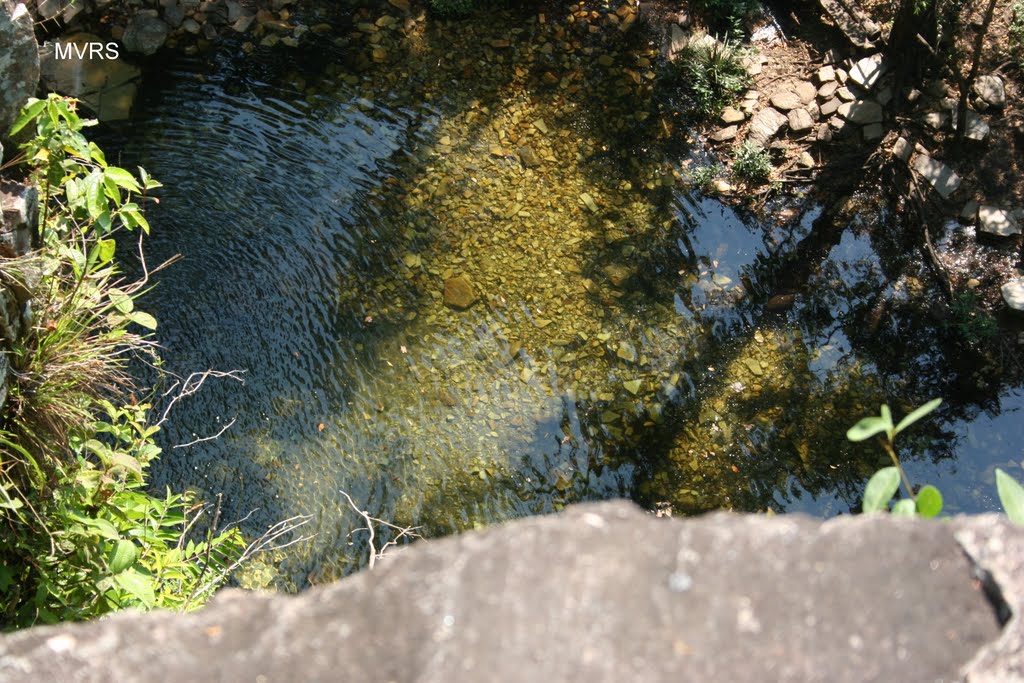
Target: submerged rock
<point x="618" y="274"/>
<point x="528" y="157"/>
<point x="459" y="293"/>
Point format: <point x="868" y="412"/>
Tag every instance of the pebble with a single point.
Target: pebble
<point x="459" y="293"/>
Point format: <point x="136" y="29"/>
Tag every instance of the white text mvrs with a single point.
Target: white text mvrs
<point x="86" y="50"/>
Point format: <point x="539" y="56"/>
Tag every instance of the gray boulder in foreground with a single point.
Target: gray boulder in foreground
<point x="602" y="592"/>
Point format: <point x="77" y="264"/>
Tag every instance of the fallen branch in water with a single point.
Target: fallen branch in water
<point x="403" y="532"/>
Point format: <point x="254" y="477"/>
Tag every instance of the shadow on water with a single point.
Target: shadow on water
<point x="629" y="339"/>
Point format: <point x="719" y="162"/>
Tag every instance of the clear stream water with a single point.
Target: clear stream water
<point x="631" y="337"/>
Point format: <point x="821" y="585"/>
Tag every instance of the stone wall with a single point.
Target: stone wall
<point x="602" y="592"/>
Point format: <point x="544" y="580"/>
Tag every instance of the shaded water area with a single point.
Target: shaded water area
<point x="630" y="338"/>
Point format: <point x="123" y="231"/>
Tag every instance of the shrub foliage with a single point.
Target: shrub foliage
<point x="82" y="535"/>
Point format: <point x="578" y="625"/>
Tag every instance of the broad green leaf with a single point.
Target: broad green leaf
<point x="918" y="414"/>
<point x="904" y="508"/>
<point x="103" y="526"/>
<point x="880" y="489"/>
<point x="122" y="556"/>
<point x="144" y="319"/>
<point x="105" y="250"/>
<point x="867" y="428"/>
<point x="138" y="585"/>
<point x="97" y="154"/>
<point x="123" y="178"/>
<point x="79" y="146"/>
<point x="11" y="503"/>
<point x="147" y="181"/>
<point x="30" y="112"/>
<point x="1011" y="495"/>
<point x="6" y="578"/>
<point x="103" y="221"/>
<point x="94" y="200"/>
<point x="929" y="501"/>
<point x="126" y="461"/>
<point x="112" y="190"/>
<point x="121" y="301"/>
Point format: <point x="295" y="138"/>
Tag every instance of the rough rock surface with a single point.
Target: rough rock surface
<point x="861" y="112"/>
<point x="602" y="592"/>
<point x="939" y="175"/>
<point x="990" y="89"/>
<point x="145" y="34"/>
<point x="868" y="70"/>
<point x="765" y="125"/>
<point x="19" y="61"/>
<point x="800" y="120"/>
<point x="1013" y="294"/>
<point x="784" y="100"/>
<point x="997" y="222"/>
<point x="459" y="293"/>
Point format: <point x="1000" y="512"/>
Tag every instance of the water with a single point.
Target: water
<point x="631" y="338"/>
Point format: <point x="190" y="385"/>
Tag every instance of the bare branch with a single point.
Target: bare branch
<point x="267" y="542"/>
<point x="193" y="383"/>
<point x="207" y="438"/>
<point x="403" y="532"/>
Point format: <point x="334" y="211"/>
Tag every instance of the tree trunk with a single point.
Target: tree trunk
<point x="912" y="41"/>
<point x="967" y="83"/>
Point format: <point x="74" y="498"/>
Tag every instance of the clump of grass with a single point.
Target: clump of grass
<point x="714" y="75"/>
<point x="74" y="355"/>
<point x="702" y="176"/>
<point x="969" y="321"/>
<point x="753" y="163"/>
<point x="729" y="15"/>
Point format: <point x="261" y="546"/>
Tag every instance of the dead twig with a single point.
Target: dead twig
<point x="268" y="541"/>
<point x="403" y="532"/>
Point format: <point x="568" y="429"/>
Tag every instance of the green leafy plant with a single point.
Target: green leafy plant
<point x="884" y="484"/>
<point x="969" y="321"/>
<point x="82" y="537"/>
<point x="714" y="74"/>
<point x="927" y="502"/>
<point x="1011" y="495"/>
<point x="752" y="163"/>
<point x="703" y="176"/>
<point x="729" y="15"/>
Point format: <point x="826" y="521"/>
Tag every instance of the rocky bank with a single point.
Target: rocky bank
<point x="602" y="592"/>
